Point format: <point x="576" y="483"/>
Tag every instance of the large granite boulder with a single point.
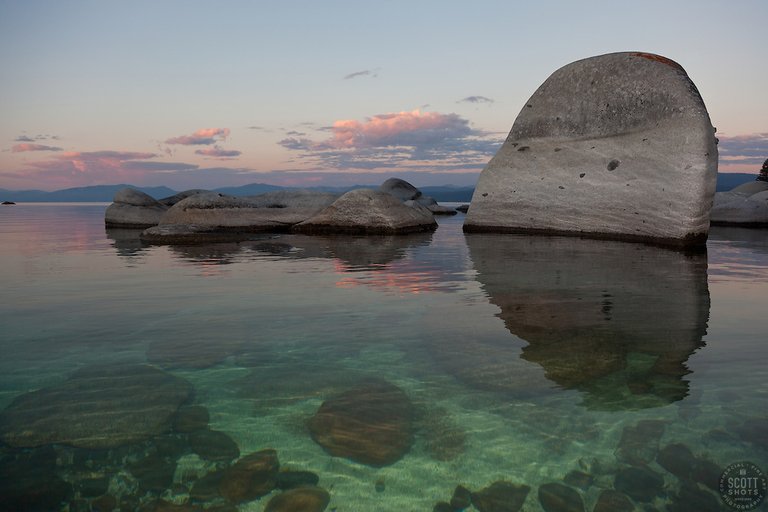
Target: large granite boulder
<point x="371" y="424"/>
<point x="616" y="146"/>
<point x="745" y="205"/>
<point x="97" y="407"/>
<point x="365" y="211"/>
<point x="132" y="208"/>
<point x="273" y="211"/>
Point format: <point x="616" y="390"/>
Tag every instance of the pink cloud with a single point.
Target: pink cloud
<point x="203" y="136"/>
<point x="401" y="128"/>
<point x="20" y="148"/>
<point x="218" y="152"/>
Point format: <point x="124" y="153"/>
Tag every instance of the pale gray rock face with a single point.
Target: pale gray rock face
<point x="132" y="208"/>
<point x="266" y="212"/>
<point x="745" y="205"/>
<point x="615" y="146"/>
<point x="368" y="211"/>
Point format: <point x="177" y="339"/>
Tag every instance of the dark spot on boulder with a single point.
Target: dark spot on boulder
<point x="561" y="187"/>
<point x="485" y="194"/>
<point x="558" y="149"/>
<point x="523" y="148"/>
<point x="613" y="164"/>
<point x="581" y="175"/>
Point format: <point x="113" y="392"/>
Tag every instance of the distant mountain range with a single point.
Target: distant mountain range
<point x="105" y="193"/>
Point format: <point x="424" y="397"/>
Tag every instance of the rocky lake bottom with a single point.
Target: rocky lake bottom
<point x="426" y="372"/>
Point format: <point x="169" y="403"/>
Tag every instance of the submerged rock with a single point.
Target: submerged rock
<point x="365" y="211"/>
<point x="370" y="424"/>
<point x="191" y="418"/>
<point x="122" y="404"/>
<point x="556" y="497"/>
<point x="500" y="496"/>
<point x="639" y="483"/>
<point x="213" y="445"/>
<point x="613" y="501"/>
<point x="615" y="146"/>
<point x="132" y="208"/>
<point x="186" y="234"/>
<point x="678" y="460"/>
<point x="302" y="499"/>
<point x="251" y="477"/>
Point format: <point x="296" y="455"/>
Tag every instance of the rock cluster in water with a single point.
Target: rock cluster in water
<point x="143" y="472"/>
<point x="198" y="216"/>
<point x="615" y="146"/>
<point x="745" y="205"/>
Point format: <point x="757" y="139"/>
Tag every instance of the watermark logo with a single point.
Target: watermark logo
<point x="743" y="486"/>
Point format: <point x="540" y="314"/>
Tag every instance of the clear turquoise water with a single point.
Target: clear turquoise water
<point x="525" y="357"/>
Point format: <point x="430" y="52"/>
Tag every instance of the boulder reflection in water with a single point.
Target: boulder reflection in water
<point x="615" y="320"/>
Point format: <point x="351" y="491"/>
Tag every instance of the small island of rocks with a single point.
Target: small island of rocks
<point x="200" y="216"/>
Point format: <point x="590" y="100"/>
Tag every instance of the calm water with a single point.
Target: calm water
<point x="531" y="360"/>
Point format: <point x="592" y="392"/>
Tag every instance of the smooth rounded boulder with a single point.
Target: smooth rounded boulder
<point x="616" y="146"/>
<point x="132" y="208"/>
<point x="366" y="211"/>
<point x="273" y="211"/>
<point x="745" y="205"/>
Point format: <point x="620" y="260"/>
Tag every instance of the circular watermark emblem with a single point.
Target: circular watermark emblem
<point x="743" y="486"/>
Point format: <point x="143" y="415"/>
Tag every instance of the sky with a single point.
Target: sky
<point x="193" y="94"/>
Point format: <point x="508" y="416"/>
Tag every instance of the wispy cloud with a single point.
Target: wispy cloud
<point x="27" y="138"/>
<point x="373" y="73"/>
<point x="218" y="152"/>
<point x="202" y="137"/>
<point x="475" y="99"/>
<point x="414" y="139"/>
<point x="28" y="146"/>
<point x="750" y="149"/>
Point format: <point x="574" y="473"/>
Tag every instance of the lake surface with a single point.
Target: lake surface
<point x="530" y="360"/>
